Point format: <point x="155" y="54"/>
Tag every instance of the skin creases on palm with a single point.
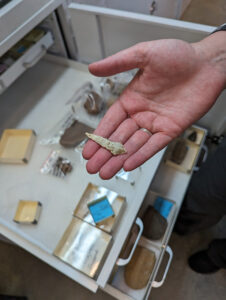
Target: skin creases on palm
<point x="169" y="92"/>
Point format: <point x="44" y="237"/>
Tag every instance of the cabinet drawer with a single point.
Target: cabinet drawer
<point x="45" y="89"/>
<point x="160" y="8"/>
<point x="26" y="61"/>
<point x="19" y="16"/>
<point x="171" y="184"/>
<point x="112" y="30"/>
<point x="39" y="99"/>
<point x="120" y="290"/>
<point x="118" y="286"/>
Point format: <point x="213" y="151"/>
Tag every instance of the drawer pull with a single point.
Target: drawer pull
<point x="153" y="7"/>
<point x="205" y="148"/>
<point x="33" y="61"/>
<point x="157" y="284"/>
<point x="123" y="262"/>
<point x="2" y="86"/>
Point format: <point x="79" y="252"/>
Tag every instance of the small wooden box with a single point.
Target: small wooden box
<point x="16" y="146"/>
<point x="189" y="160"/>
<point x="27" y="212"/>
<point x="200" y="134"/>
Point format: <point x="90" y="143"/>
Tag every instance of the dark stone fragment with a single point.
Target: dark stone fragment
<point x="179" y="152"/>
<point x="154" y="224"/>
<point x="65" y="168"/>
<point x="75" y="134"/>
<point x="93" y="103"/>
<point x="192" y="136"/>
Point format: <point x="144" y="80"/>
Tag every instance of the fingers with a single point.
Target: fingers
<point x="122" y="134"/>
<point x="114" y="164"/>
<point x="112" y="119"/>
<point x="156" y="142"/>
<point x="124" y="60"/>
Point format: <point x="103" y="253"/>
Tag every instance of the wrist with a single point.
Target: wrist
<point x="212" y="51"/>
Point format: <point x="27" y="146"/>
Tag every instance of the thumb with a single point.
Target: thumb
<point x="128" y="59"/>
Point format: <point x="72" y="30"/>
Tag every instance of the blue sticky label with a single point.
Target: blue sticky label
<point x="21" y="49"/>
<point x="101" y="210"/>
<point x="163" y="206"/>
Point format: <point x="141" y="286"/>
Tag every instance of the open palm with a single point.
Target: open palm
<point x="173" y="88"/>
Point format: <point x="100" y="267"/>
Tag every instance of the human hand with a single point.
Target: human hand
<point x="176" y="84"/>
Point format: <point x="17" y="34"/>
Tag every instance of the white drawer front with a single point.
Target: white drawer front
<point x="101" y="32"/>
<point x="17" y="12"/>
<point x="25" y="62"/>
<point x="168" y="9"/>
<point x="19" y="16"/>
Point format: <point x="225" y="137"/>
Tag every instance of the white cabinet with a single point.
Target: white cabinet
<point x="20" y="16"/>
<point x="162" y="8"/>
<point x="117" y="30"/>
<point x="39" y="99"/>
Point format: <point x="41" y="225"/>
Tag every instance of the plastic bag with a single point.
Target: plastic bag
<point x="53" y="136"/>
<point x="56" y="165"/>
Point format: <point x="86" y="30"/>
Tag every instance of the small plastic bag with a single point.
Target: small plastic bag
<point x="127" y="176"/>
<point x="113" y="86"/>
<point x="56" y="165"/>
<point x="79" y="150"/>
<point x="87" y="86"/>
<point x="87" y="97"/>
<point x="117" y="83"/>
<point x="53" y="136"/>
<point x="90" y="106"/>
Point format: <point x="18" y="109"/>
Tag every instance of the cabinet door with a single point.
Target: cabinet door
<point x="101" y="32"/>
<point x="161" y="8"/>
<point x="139" y="6"/>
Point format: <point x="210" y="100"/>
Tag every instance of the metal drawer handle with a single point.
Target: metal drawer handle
<point x="123" y="262"/>
<point x="2" y="86"/>
<point x="157" y="284"/>
<point x="31" y="63"/>
<point x="152" y="7"/>
<point x="205" y="148"/>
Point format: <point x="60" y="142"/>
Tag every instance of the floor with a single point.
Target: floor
<point x="22" y="274"/>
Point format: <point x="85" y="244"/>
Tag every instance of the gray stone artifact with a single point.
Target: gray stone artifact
<point x="74" y="135"/>
<point x="154" y="224"/>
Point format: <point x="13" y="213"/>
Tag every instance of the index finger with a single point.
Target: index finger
<point x="110" y="122"/>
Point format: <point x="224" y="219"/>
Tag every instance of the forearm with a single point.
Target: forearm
<point x="212" y="50"/>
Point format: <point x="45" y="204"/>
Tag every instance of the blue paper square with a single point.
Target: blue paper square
<point x="163" y="206"/>
<point x="101" y="210"/>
